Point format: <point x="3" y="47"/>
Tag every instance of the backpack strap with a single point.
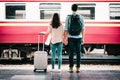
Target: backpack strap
<point x="69" y="20"/>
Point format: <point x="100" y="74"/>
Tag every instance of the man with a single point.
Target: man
<point x="74" y="41"/>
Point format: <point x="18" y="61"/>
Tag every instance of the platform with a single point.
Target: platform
<point x="88" y="72"/>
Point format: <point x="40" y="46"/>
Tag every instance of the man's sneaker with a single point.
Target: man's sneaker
<point x="70" y="70"/>
<point x="77" y="69"/>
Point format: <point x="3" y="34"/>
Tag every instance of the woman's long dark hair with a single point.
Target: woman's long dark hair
<point x="55" y="21"/>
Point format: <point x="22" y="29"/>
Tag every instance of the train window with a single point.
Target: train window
<point x="15" y="11"/>
<point x="114" y="11"/>
<point x="48" y="9"/>
<point x="87" y="10"/>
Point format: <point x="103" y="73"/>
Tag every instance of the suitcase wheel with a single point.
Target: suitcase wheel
<point x="45" y="70"/>
<point x="35" y="70"/>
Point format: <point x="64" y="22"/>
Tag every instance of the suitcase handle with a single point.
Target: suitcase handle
<point x="40" y="34"/>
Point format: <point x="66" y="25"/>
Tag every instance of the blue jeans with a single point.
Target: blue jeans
<point x="74" y="46"/>
<point x="56" y="49"/>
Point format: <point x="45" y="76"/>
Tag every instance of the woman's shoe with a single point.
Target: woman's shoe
<point x="59" y="70"/>
<point x="52" y="70"/>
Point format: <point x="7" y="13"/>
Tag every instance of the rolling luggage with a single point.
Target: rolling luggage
<point x="40" y="57"/>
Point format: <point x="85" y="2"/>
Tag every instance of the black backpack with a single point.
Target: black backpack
<point x="75" y="25"/>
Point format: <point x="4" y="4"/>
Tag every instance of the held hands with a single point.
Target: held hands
<point x="65" y="38"/>
<point x="65" y="42"/>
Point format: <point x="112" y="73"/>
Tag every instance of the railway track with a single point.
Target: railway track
<point x="85" y="59"/>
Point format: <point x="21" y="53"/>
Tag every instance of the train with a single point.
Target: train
<point x="22" y="20"/>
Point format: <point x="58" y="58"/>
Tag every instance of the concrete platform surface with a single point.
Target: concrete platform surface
<point x="88" y="72"/>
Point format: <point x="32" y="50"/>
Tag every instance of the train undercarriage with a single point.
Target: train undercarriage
<point x="26" y="51"/>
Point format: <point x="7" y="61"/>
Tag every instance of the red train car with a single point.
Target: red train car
<point x="22" y="20"/>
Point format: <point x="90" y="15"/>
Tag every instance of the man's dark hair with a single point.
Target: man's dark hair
<point x="74" y="7"/>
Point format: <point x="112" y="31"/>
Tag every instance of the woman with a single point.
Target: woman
<point x="56" y="31"/>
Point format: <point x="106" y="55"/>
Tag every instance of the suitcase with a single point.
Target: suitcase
<point x="40" y="57"/>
